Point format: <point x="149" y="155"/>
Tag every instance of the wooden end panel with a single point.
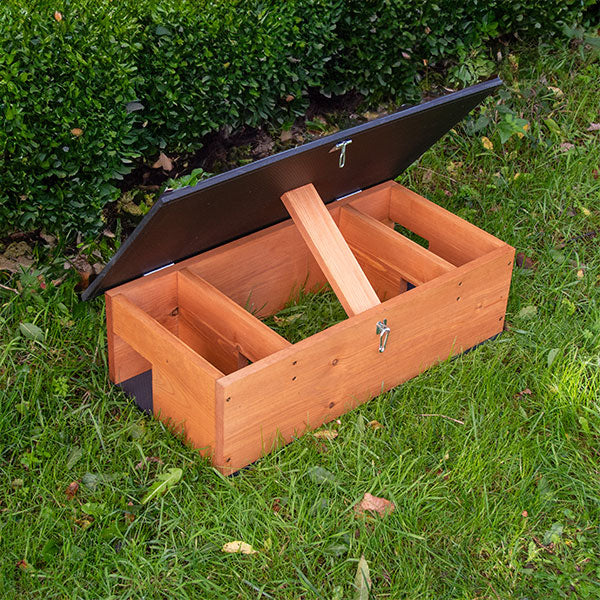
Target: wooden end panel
<point x="208" y="309"/>
<point x="388" y="251"/>
<point x="329" y="248"/>
<point x="450" y="237"/>
<point x="183" y="383"/>
<point x="326" y="375"/>
<point x="157" y="298"/>
<point x="263" y="271"/>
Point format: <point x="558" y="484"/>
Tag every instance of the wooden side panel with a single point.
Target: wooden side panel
<point x="183" y="382"/>
<point x="450" y="237"/>
<point x="324" y="376"/>
<point x="388" y="250"/>
<point x="158" y="298"/>
<point x="205" y="307"/>
<point x="331" y="251"/>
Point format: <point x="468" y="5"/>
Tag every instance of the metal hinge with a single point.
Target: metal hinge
<point x="159" y="269"/>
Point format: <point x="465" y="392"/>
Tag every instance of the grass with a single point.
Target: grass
<point x="505" y="505"/>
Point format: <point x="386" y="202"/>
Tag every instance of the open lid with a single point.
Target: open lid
<point x="190" y="220"/>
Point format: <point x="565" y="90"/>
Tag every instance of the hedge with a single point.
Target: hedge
<point x="89" y="87"/>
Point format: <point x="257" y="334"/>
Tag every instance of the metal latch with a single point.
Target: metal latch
<point x="341" y="146"/>
<point x="383" y="331"/>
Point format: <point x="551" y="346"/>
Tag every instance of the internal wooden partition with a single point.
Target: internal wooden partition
<point x="237" y="388"/>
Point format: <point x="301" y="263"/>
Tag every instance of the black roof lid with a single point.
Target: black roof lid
<point x="190" y="220"/>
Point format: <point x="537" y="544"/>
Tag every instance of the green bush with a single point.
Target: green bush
<point x="89" y="86"/>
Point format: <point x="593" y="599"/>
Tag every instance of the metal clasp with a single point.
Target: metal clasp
<point x="341" y="146"/>
<point x="383" y="331"/>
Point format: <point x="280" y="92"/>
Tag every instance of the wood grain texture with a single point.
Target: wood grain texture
<point x="183" y="383"/>
<point x="203" y="304"/>
<point x="330" y="250"/>
<point x="450" y="237"/>
<point x="389" y="251"/>
<point x="326" y="375"/>
<point x="156" y="297"/>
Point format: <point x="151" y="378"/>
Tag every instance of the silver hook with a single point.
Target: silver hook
<point x="341" y="146"/>
<point x="383" y="331"/>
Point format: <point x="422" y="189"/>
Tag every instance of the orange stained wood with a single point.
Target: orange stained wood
<point x="394" y="253"/>
<point x="450" y="237"/>
<point x="260" y="272"/>
<point x="183" y="383"/>
<point x="202" y="303"/>
<point x="324" y="376"/>
<point x="328" y="246"/>
<point x="156" y="297"/>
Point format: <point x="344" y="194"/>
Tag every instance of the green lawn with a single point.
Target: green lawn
<point x="501" y="502"/>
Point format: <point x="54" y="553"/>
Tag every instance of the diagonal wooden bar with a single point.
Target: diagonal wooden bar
<point x="330" y="250"/>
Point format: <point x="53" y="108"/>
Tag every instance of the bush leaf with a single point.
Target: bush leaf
<point x="163" y="482"/>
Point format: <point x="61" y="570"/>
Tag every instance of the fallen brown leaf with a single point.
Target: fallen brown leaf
<point x="23" y="564"/>
<point x="566" y="146"/>
<point x="375" y="425"/>
<point x="289" y="98"/>
<point x="594" y="127"/>
<point x="524" y="262"/>
<point x="374" y="504"/>
<point x="238" y="547"/>
<point x="163" y="162"/>
<point x="326" y="434"/>
<point x="286" y="135"/>
<point x="76" y="131"/>
<point x="72" y="490"/>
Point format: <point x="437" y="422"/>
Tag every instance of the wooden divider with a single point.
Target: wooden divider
<point x="393" y="254"/>
<point x="183" y="383"/>
<point x="222" y="328"/>
<point x="329" y="248"/>
<point x="449" y="237"/>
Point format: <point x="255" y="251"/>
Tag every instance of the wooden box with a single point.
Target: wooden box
<point x="188" y="341"/>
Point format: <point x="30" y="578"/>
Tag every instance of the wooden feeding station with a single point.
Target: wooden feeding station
<point x="186" y="292"/>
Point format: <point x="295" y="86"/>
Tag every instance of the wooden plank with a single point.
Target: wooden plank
<point x="329" y="248"/>
<point x="158" y="298"/>
<point x="450" y="237"/>
<point x="203" y="304"/>
<point x="208" y="343"/>
<point x="326" y="375"/>
<point x="394" y="253"/>
<point x="183" y="383"/>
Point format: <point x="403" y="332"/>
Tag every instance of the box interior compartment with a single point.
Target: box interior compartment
<point x="198" y="323"/>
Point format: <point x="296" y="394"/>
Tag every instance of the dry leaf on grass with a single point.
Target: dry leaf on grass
<point x="71" y="490"/>
<point x="238" y="547"/>
<point x="375" y="425"/>
<point x="594" y="127"/>
<point x="326" y="434"/>
<point x="286" y="135"/>
<point x="163" y="162"/>
<point x="525" y="262"/>
<point x="566" y="146"/>
<point x="374" y="504"/>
